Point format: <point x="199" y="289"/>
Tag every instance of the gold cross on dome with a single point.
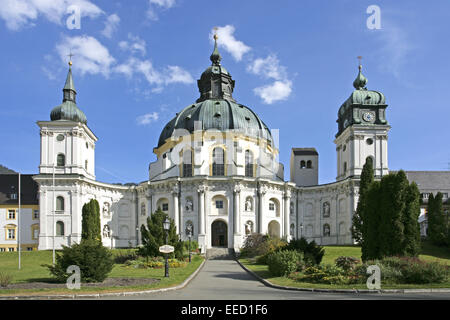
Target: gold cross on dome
<point x="359" y="58"/>
<point x="215" y="33"/>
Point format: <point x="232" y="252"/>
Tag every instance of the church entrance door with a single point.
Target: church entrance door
<point x="219" y="233"/>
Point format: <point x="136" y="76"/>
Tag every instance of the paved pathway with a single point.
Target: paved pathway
<point x="226" y="280"/>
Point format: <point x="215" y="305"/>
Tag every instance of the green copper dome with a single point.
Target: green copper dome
<point x="216" y="108"/>
<point x="68" y="110"/>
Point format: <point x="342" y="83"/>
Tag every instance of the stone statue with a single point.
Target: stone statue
<point x="189" y="205"/>
<point x="106" y="231"/>
<point x="106" y="209"/>
<point x="248" y="205"/>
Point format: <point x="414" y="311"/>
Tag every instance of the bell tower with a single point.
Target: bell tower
<point x="362" y="131"/>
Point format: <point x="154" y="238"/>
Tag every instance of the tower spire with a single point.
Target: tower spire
<point x="69" y="92"/>
<point x="360" y="81"/>
<point x="215" y="56"/>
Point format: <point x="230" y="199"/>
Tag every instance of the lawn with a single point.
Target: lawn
<point x="32" y="271"/>
<point x="428" y="253"/>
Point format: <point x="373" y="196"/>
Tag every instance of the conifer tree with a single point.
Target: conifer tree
<point x="410" y="221"/>
<point x="437" y="224"/>
<point x="90" y="225"/>
<point x="367" y="178"/>
<point x="370" y="247"/>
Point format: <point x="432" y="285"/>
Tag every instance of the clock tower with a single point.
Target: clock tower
<point x="362" y="131"/>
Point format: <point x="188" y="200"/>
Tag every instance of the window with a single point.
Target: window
<point x="309" y="164"/>
<point x="187" y="163"/>
<point x="271" y="206"/>
<point x="59" y="203"/>
<point x="11" y="234"/>
<point x="218" y="165"/>
<point x="85" y="164"/>
<point x="326" y="230"/>
<point x="219" y="204"/>
<point x="2" y="249"/>
<point x="35" y="234"/>
<point x="165" y="207"/>
<point x="302" y="164"/>
<point x="29" y="248"/>
<point x="11" y="214"/>
<point x="425" y="196"/>
<point x="61" y="160"/>
<point x="60" y="228"/>
<point x="248" y="164"/>
<point x="11" y="249"/>
<point x="345" y="167"/>
<point x="36" y="214"/>
<point x="444" y="195"/>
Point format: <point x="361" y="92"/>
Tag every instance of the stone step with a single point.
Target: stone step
<point x="219" y="254"/>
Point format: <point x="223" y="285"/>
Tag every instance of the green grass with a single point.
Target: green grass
<point x="428" y="253"/>
<point x="32" y="271"/>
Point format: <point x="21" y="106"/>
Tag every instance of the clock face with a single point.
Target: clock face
<point x="368" y="116"/>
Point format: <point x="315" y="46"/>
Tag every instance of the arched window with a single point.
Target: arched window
<point x="326" y="230"/>
<point x="309" y="164"/>
<point x="60" y="228"/>
<point x="326" y="209"/>
<point x="249" y="164"/>
<point x="59" y="203"/>
<point x="187" y="163"/>
<point x="61" y="160"/>
<point x="302" y="164"/>
<point x="218" y="165"/>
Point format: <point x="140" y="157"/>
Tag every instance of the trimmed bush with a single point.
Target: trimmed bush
<point x="327" y="274"/>
<point x="284" y="262"/>
<point x="95" y="261"/>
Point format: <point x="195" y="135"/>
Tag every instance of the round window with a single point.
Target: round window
<point x="60" y="137"/>
<point x="369" y="141"/>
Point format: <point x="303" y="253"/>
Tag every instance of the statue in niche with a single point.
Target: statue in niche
<point x="189" y="205"/>
<point x="291" y="208"/>
<point x="106" y="209"/>
<point x="106" y="231"/>
<point x="248" y="205"/>
<point x="326" y="209"/>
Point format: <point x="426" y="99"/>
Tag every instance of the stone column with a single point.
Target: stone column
<point x="176" y="214"/>
<point x="237" y="217"/>
<point x="287" y="202"/>
<point x="259" y="219"/>
<point x="201" y="218"/>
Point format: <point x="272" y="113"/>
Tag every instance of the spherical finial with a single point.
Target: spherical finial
<point x="216" y="36"/>
<point x="70" y="63"/>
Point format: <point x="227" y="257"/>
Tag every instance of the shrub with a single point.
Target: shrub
<point x="282" y="263"/>
<point x="269" y="246"/>
<point x="253" y="245"/>
<point x="194" y="246"/>
<point x="327" y="274"/>
<point x="346" y="263"/>
<point x="95" y="261"/>
<point x="312" y="252"/>
<point x="5" y="279"/>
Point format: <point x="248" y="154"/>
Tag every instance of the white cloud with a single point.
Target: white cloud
<point x="111" y="25"/>
<point x="90" y="56"/>
<point x="227" y="41"/>
<point x="163" y="3"/>
<point x="277" y="91"/>
<point x="147" y="118"/>
<point x="135" y="44"/>
<point x="171" y="74"/>
<point x="268" y="68"/>
<point x="21" y="13"/>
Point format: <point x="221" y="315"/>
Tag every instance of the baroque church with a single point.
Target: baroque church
<point x="216" y="171"/>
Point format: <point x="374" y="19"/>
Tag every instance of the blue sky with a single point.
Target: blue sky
<point x="136" y="64"/>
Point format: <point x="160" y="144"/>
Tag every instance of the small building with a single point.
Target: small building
<point x="9" y="212"/>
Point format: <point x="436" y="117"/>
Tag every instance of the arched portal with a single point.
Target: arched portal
<point x="274" y="229"/>
<point x="219" y="231"/>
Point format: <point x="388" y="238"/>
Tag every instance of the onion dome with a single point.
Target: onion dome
<point x="216" y="108"/>
<point x="366" y="107"/>
<point x="68" y="110"/>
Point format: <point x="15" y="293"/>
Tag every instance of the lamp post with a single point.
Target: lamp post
<point x="166" y="226"/>
<point x="189" y="234"/>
